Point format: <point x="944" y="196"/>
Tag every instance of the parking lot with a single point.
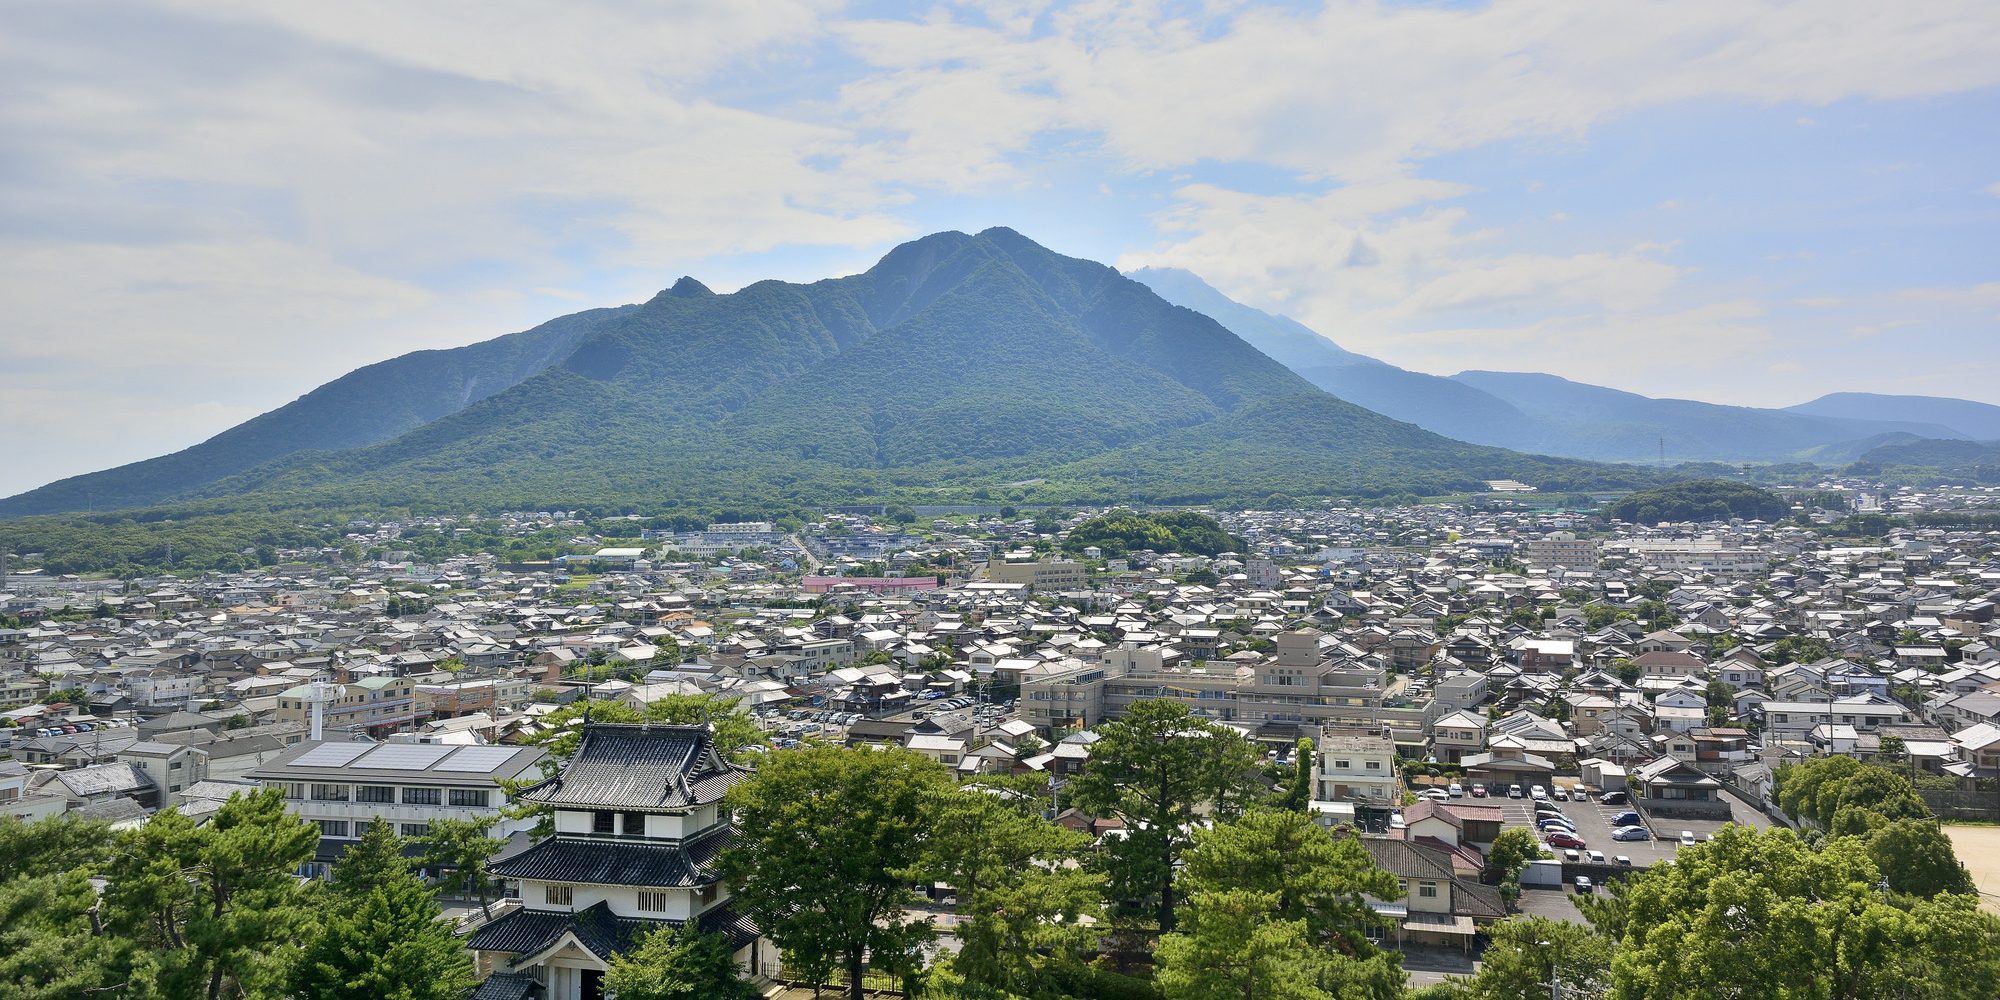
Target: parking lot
<point x="1593" y="827"/>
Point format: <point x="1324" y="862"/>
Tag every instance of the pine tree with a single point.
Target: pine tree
<point x="676" y="964"/>
<point x="388" y="943"/>
<point x="374" y="860"/>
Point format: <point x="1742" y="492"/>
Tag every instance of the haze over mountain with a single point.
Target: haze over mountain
<point x="959" y="364"/>
<point x="1551" y="415"/>
<point x="1979" y="421"/>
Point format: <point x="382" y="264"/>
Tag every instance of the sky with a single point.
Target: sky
<point x="209" y="208"/>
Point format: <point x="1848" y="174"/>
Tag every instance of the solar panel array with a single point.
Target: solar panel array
<point x="332" y="754"/>
<point x="478" y="759"/>
<point x="406" y="756"/>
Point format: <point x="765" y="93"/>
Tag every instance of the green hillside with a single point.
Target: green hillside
<point x="1701" y="500"/>
<point x="363" y="407"/>
<point x="958" y="365"/>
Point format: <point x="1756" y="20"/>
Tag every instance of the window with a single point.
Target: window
<point x="635" y="824"/>
<point x="709" y="892"/>
<point x="469" y="796"/>
<point x="414" y="829"/>
<point x="1374" y="765"/>
<point x="333" y="828"/>
<point x="375" y="793"/>
<point x="1427" y="890"/>
<point x="329" y="793"/>
<point x="602" y="822"/>
<point x="652" y="901"/>
<point x="1343" y="764"/>
<point x="556" y="895"/>
<point x="422" y="796"/>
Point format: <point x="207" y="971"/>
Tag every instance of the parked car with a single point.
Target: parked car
<point x="1614" y="798"/>
<point x="1560" y="794"/>
<point x="1513" y="791"/>
<point x="1583" y="884"/>
<point x="1556" y="825"/>
<point x="1631" y="833"/>
<point x="1687" y="838"/>
<point x="1457" y="790"/>
<point x="1571" y="857"/>
<point x="1438" y="794"/>
<point x="1538" y="793"/>
<point x="1596" y="857"/>
<point x="1623" y="860"/>
<point x="1563" y="838"/>
<point x="1626" y="818"/>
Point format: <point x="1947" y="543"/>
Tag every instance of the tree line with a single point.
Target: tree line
<point x="1204" y="877"/>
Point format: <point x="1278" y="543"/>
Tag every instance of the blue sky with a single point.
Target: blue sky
<point x="208" y="208"/>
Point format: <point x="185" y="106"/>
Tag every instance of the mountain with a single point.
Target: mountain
<point x="1589" y="421"/>
<point x="1555" y="416"/>
<point x="1978" y="421"/>
<point x="364" y="407"/>
<point x="1432" y="402"/>
<point x="1935" y="453"/>
<point x="957" y="366"/>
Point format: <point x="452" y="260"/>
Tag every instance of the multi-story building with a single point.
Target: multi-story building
<point x="1046" y="575"/>
<point x="343" y="787"/>
<point x="374" y="706"/>
<point x="1561" y="548"/>
<point x="1292" y="693"/>
<point x="1359" y="769"/>
<point x="171" y="767"/>
<point x="639" y="824"/>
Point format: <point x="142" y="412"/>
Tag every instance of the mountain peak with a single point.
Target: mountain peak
<point x="688" y="288"/>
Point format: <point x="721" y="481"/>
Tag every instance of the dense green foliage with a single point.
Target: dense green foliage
<point x="828" y="846"/>
<point x="1963" y="461"/>
<point x="671" y="963"/>
<point x="1155" y="769"/>
<point x="1879" y="808"/>
<point x="1762" y="915"/>
<point x="1701" y="500"/>
<point x="1183" y="531"/>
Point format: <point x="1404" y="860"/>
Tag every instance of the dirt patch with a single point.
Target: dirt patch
<point x="1978" y="848"/>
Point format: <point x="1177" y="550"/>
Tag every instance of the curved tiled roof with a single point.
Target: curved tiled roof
<point x="525" y="932"/>
<point x="604" y="862"/>
<point x="640" y="767"/>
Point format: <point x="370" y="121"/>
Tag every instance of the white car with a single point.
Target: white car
<point x="1687" y="838"/>
<point x="1539" y="794"/>
<point x="1434" y="793"/>
<point x="1457" y="790"/>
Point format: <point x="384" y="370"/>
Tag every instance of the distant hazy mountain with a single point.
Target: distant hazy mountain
<point x="1589" y="421"/>
<point x="1432" y="402"/>
<point x="1552" y="415"/>
<point x="1980" y="421"/>
<point x="1978" y="458"/>
<point x="957" y="364"/>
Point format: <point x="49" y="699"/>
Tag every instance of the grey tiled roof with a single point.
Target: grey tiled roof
<point x="524" y="932"/>
<point x="507" y="986"/>
<point x="600" y="862"/>
<point x="640" y="767"/>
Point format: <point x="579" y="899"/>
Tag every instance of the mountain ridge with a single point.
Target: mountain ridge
<point x="958" y="363"/>
<point x="1548" y="414"/>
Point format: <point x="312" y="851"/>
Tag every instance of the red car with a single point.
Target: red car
<point x="1479" y="791"/>
<point x="1557" y="838"/>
